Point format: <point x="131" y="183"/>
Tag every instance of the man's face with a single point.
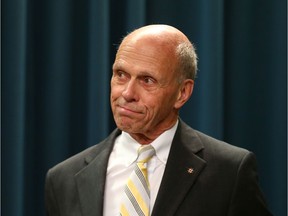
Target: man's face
<point x="144" y="88"/>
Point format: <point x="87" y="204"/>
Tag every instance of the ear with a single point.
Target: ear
<point x="185" y="93"/>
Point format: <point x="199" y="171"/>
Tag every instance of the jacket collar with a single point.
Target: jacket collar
<point x="91" y="179"/>
<point x="182" y="169"/>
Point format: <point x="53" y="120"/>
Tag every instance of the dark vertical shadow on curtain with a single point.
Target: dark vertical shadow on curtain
<point x="56" y="63"/>
<point x="13" y="57"/>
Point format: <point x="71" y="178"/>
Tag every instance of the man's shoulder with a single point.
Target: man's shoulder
<point x="76" y="162"/>
<point x="213" y="148"/>
<point x="221" y="148"/>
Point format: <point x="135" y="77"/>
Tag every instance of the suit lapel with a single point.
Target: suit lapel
<point x="182" y="169"/>
<point x="91" y="179"/>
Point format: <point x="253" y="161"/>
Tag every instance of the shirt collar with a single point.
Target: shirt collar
<point x="126" y="146"/>
<point x="163" y="143"/>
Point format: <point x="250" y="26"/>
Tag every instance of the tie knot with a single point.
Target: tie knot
<point x="145" y="153"/>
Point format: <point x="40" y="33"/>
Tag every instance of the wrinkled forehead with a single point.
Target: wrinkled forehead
<point x="147" y="49"/>
<point x="147" y="53"/>
<point x="149" y="44"/>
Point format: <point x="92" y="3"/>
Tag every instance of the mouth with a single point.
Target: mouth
<point x="128" y="111"/>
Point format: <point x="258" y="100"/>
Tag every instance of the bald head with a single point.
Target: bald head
<point x="168" y="39"/>
<point x="161" y="32"/>
<point x="152" y="79"/>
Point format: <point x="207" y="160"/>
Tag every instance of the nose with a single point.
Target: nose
<point x="130" y="92"/>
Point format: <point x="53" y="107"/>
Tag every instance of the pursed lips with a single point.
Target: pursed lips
<point x="127" y="110"/>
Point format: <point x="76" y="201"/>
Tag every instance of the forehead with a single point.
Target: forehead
<point x="145" y="52"/>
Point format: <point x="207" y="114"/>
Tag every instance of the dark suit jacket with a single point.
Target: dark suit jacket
<point x="203" y="177"/>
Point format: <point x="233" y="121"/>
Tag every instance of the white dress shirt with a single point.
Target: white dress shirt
<point x="121" y="164"/>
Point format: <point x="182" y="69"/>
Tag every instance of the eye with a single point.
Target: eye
<point x="120" y="74"/>
<point x="148" y="80"/>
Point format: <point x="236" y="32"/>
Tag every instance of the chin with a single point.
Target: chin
<point x="124" y="126"/>
<point x="129" y="128"/>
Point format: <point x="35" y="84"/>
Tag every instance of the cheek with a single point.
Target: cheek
<point x="115" y="92"/>
<point x="164" y="103"/>
<point x="114" y="95"/>
<point x="153" y="105"/>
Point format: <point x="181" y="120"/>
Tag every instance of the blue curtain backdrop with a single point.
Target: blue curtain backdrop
<point x="56" y="66"/>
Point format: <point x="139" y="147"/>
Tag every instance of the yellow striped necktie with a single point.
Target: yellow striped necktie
<point x="136" y="199"/>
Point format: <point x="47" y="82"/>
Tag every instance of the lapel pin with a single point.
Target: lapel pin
<point x="190" y="170"/>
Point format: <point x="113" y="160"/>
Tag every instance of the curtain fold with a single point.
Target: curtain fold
<point x="56" y="68"/>
<point x="13" y="60"/>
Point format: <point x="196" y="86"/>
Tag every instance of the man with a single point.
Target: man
<point x="189" y="173"/>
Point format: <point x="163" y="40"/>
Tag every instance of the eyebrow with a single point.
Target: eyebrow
<point x="146" y="73"/>
<point x="120" y="66"/>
